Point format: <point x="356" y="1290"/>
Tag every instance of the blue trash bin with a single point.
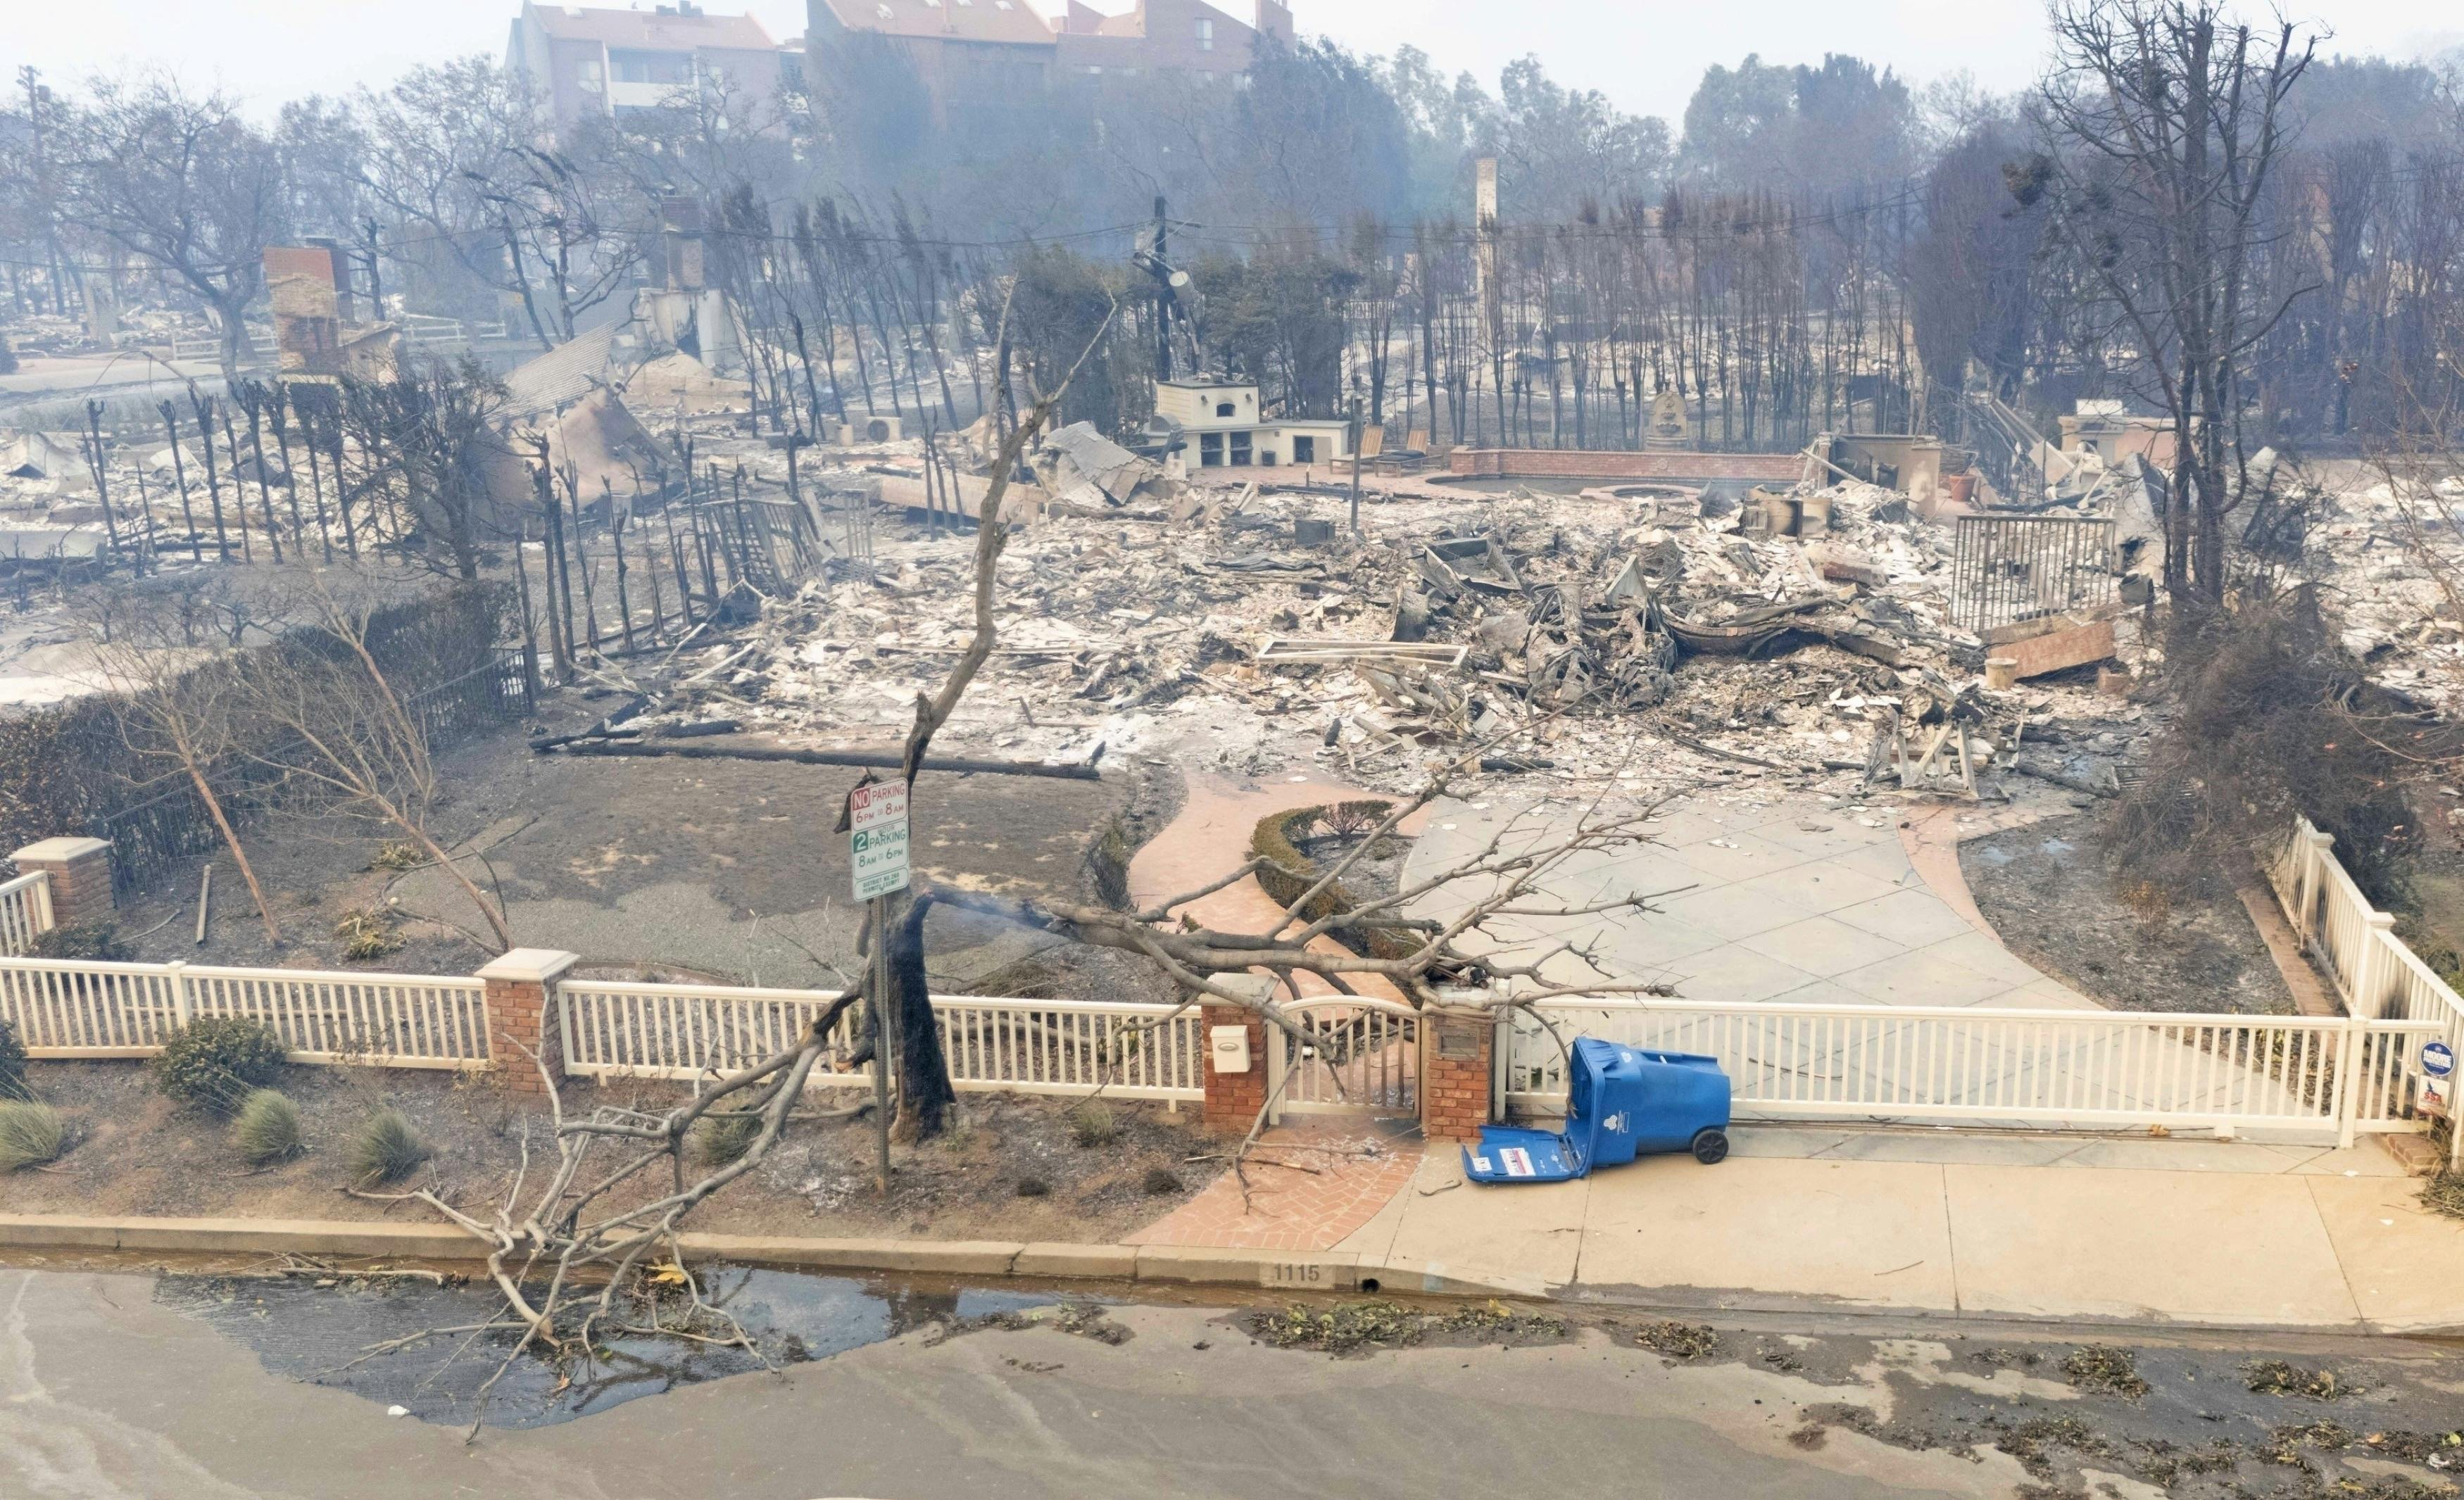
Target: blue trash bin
<point x="1620" y="1102"/>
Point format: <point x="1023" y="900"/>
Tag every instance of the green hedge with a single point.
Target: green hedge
<point x="1273" y="839"/>
<point x="68" y="769"/>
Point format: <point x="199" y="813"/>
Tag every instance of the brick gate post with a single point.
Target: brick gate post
<point x="1236" y="1058"/>
<point x="1457" y="1044"/>
<point x="522" y="1015"/>
<point x="80" y="878"/>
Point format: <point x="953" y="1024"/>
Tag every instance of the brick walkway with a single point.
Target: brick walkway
<point x="1353" y="1170"/>
<point x="1211" y="836"/>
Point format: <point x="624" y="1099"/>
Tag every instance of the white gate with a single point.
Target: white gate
<point x="1353" y="1056"/>
<point x="2330" y="1078"/>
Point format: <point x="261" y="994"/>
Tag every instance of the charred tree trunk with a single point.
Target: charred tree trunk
<point x="925" y="1093"/>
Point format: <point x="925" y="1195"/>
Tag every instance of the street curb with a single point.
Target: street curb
<point x="928" y="1257"/>
<point x="1077" y="1262"/>
<point x="1294" y="1270"/>
<point x="236" y="1236"/>
<point x="1298" y="1270"/>
<point x="1187" y="1265"/>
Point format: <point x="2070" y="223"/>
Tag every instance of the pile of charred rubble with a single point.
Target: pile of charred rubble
<point x="1615" y="639"/>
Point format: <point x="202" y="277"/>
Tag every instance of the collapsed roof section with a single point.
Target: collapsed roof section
<point x="1080" y="466"/>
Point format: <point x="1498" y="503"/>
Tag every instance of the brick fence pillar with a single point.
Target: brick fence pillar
<point x="1456" y="1044"/>
<point x="522" y="1016"/>
<point x="1233" y="1100"/>
<point x="1235" y="1093"/>
<point x="81" y="883"/>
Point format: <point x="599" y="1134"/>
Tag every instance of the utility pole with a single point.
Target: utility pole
<point x="1164" y="299"/>
<point x="1150" y="258"/>
<point x="1355" y="431"/>
<point x="31" y="79"/>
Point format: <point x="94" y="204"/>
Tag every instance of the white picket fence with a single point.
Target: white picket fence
<point x="1064" y="1047"/>
<point x="80" y="1008"/>
<point x="627" y="1030"/>
<point x="2374" y="971"/>
<point x="2047" y="1068"/>
<point x="2339" y="1077"/>
<point x="2335" y="1078"/>
<point x="25" y="911"/>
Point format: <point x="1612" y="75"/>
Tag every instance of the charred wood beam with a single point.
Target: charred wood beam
<point x="878" y="760"/>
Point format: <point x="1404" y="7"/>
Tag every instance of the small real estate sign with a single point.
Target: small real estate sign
<point x="2436" y="1089"/>
<point x="877" y="839"/>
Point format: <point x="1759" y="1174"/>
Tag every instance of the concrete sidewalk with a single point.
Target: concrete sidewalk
<point x="2238" y="1235"/>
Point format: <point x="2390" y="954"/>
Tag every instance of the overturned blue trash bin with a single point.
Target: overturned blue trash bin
<point x="1620" y="1102"/>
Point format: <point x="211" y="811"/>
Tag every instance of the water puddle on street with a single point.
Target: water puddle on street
<point x="362" y="1336"/>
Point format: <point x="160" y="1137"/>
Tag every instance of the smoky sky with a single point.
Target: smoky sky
<point x="1645" y="55"/>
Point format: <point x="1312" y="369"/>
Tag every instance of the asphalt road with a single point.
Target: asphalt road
<point x="108" y="1390"/>
<point x="105" y="1394"/>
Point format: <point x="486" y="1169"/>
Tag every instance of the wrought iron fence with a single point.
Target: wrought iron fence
<point x="2009" y="568"/>
<point x="152" y="834"/>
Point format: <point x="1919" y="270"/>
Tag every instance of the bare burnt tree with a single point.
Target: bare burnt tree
<point x="572" y="230"/>
<point x="2421" y="462"/>
<point x="435" y="139"/>
<point x="180" y="704"/>
<point x="434" y="456"/>
<point x="183" y="183"/>
<point x="2171" y="120"/>
<point x="332" y="725"/>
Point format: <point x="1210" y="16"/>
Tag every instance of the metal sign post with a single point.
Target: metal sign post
<point x="881" y="1043"/>
<point x="877" y="856"/>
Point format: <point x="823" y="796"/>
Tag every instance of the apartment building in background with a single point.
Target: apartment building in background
<point x="1189" y="36"/>
<point x="590" y="62"/>
<point x="964" y="51"/>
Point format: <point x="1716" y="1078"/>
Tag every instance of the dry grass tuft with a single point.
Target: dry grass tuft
<point x="266" y="1130"/>
<point x="385" y="1149"/>
<point x="1093" y="1124"/>
<point x="32" y="1135"/>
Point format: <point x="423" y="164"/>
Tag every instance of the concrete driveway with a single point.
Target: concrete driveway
<point x="1790" y="899"/>
<point x="1804" y="901"/>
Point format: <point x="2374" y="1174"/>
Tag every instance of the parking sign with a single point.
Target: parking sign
<point x="877" y="841"/>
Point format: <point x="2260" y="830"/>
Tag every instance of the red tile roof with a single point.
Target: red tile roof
<point x="963" y="20"/>
<point x="652" y="30"/>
